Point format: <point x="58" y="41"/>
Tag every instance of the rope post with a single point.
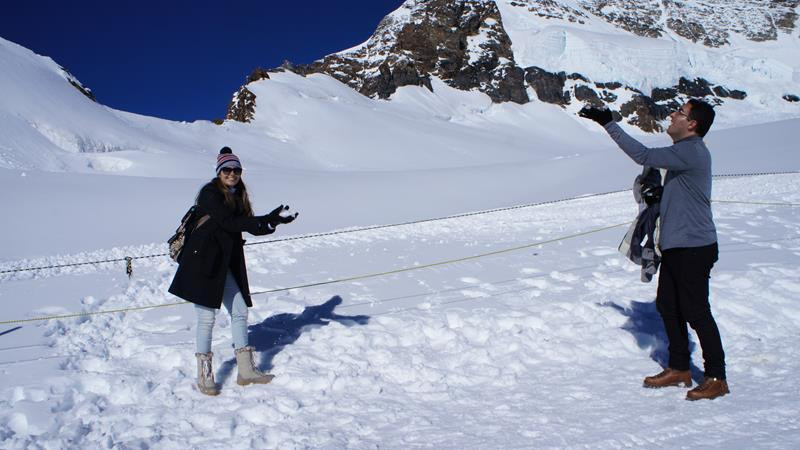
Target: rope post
<point x="129" y="266"/>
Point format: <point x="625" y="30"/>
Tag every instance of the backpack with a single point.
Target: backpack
<point x="185" y="229"/>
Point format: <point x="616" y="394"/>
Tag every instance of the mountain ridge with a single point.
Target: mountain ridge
<point x="468" y="45"/>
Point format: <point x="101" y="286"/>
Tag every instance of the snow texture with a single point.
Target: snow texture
<point x="544" y="346"/>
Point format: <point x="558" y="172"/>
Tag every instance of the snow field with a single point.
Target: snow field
<point x="544" y="347"/>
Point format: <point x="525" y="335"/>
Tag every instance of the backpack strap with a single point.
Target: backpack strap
<point x="201" y="221"/>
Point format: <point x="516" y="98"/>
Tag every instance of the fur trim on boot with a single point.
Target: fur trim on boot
<point x="205" y="374"/>
<point x="247" y="371"/>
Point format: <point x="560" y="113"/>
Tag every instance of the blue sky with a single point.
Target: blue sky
<point x="182" y="60"/>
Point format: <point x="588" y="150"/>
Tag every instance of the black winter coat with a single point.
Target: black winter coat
<point x="213" y="249"/>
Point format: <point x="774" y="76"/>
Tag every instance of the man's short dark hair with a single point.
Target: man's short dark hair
<point x="703" y="114"/>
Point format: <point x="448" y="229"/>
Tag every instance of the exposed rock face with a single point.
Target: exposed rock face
<point x="610" y="85"/>
<point x="83" y="90"/>
<point x="464" y="43"/>
<point x="549" y="87"/>
<point x="720" y="91"/>
<point x="77" y="85"/>
<point x="645" y="113"/>
<point x="551" y="9"/>
<point x="584" y="93"/>
<point x="242" y="106"/>
<point x="258" y="74"/>
<point x="641" y="17"/>
<point x="461" y="42"/>
<point x="696" y="88"/>
<point x="404" y="73"/>
<point x="709" y="22"/>
<point x="661" y="94"/>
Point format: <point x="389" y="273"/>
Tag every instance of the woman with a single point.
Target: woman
<point x="212" y="272"/>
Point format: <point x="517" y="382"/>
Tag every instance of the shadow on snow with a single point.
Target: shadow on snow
<point x="10" y="331"/>
<point x="644" y="323"/>
<point x="269" y="337"/>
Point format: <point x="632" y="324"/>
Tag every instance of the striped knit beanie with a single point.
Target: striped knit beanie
<point x="226" y="158"/>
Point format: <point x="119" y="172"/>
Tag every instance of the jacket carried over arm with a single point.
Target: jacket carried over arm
<point x="639" y="243"/>
<point x="213" y="249"/>
<point x="686" y="219"/>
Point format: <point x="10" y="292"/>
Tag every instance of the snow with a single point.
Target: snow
<point x="541" y="347"/>
<point x="542" y="342"/>
<point x="598" y="50"/>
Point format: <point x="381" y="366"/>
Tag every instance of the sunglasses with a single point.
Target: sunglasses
<point x="228" y="170"/>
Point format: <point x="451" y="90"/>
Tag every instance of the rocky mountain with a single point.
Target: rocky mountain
<point x="570" y="52"/>
<point x="710" y="23"/>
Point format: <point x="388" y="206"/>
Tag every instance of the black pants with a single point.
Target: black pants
<point x="683" y="297"/>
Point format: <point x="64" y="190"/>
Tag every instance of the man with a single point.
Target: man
<point x="688" y="243"/>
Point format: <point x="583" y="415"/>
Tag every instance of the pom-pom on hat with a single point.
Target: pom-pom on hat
<point x="226" y="158"/>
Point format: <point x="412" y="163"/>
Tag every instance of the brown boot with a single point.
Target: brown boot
<point x="669" y="377"/>
<point x="710" y="388"/>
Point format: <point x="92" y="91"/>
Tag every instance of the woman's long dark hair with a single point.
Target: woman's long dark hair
<point x="238" y="201"/>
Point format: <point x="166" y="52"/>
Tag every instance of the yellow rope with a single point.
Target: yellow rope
<point x="340" y="280"/>
<point x="83" y="314"/>
<point x="129" y="259"/>
<point x="379" y="274"/>
<point x="441" y="263"/>
<point x="755" y="203"/>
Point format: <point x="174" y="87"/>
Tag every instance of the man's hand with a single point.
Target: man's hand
<point x="602" y="116"/>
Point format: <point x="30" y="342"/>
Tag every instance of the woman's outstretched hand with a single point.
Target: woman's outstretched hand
<point x="275" y="217"/>
<point x="289" y="219"/>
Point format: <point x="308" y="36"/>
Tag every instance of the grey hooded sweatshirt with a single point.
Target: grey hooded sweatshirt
<point x="686" y="219"/>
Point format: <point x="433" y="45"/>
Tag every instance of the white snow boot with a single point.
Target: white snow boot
<point x="247" y="371"/>
<point x="205" y="374"/>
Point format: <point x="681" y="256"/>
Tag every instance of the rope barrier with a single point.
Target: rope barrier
<point x="359" y="277"/>
<point x="85" y="314"/>
<point x="755" y="203"/>
<point x="129" y="259"/>
<point x="395" y="311"/>
<point x="382" y="301"/>
<point x="442" y="263"/>
<point x="340" y="280"/>
<point x="489" y="211"/>
<point x="754" y="174"/>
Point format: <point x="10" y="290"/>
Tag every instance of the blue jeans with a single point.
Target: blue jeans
<point x="234" y="303"/>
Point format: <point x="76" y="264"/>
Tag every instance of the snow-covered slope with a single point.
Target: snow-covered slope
<point x="765" y="69"/>
<point x="313" y="143"/>
<point x="541" y="347"/>
<point x="312" y="123"/>
<point x="640" y="58"/>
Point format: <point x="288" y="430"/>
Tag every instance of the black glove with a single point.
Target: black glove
<point x="602" y="116"/>
<point x="274" y="217"/>
<point x="288" y="219"/>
